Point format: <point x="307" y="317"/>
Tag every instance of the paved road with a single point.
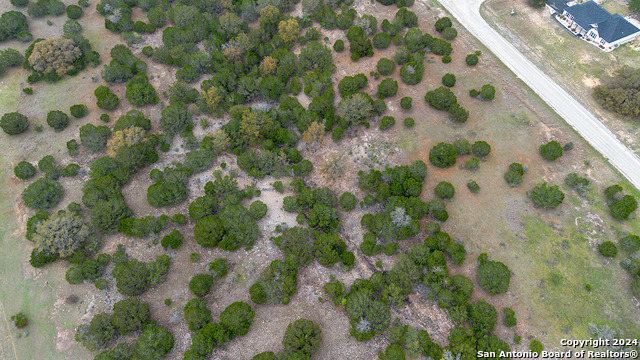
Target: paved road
<point x="467" y="12"/>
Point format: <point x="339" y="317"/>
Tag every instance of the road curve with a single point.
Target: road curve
<point x="467" y="12"/>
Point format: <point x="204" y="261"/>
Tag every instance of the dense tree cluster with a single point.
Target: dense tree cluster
<point x="133" y="277"/>
<point x="621" y="206"/>
<point x="398" y="190"/>
<point x="221" y="220"/>
<point x="619" y="92"/>
<point x="444" y="99"/>
<point x="50" y="59"/>
<point x="235" y="321"/>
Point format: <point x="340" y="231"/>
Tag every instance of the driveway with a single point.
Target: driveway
<point x="467" y="12"/>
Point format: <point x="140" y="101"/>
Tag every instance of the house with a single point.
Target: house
<point x="594" y="24"/>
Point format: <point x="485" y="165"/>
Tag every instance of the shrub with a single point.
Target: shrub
<point x="630" y="243"/>
<point x="139" y="91"/>
<point x="472" y="164"/>
<point x="441" y="98"/>
<point x="348" y="201"/>
<point x="338" y="46"/>
<point x="219" y="267"/>
<point x="488" y="92"/>
<point x="237" y="318"/>
<point x="106" y="99"/>
<point x="172" y="240"/>
<point x="620" y="209"/>
<point x="44" y="193"/>
<point x="473" y="186"/>
<point x="24" y="170"/>
<point x="536" y="346"/>
<point x="551" y="150"/>
<point x="381" y="41"/>
<point x="385" y="66"/>
<point x="513" y="176"/>
<point x="443" y="155"/>
<point x="449" y="33"/>
<point x="444" y="190"/>
<point x="449" y="80"/>
<point x="200" y="284"/>
<point x="57" y="120"/>
<point x="509" y="317"/>
<point x="481" y="149"/>
<point x="409" y="122"/>
<point x="387" y="122"/>
<point x="78" y="111"/>
<point x="578" y="183"/>
<point x="258" y="209"/>
<point x="14" y="123"/>
<point x="442" y="24"/>
<point x="20" y="320"/>
<point x="406" y="102"/>
<point x="27" y="90"/>
<point x="387" y="88"/>
<point x="492" y="276"/>
<point x="302" y="337"/>
<point x="545" y="196"/>
<point x="196" y="314"/>
<point x="608" y="249"/>
<point x="12" y="23"/>
<point x="471" y="59"/>
<point x="94" y="138"/>
<point x="74" y="12"/>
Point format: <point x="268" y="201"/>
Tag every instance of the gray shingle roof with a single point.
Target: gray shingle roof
<point x="616" y="28"/>
<point x="610" y="27"/>
<point x="558" y="5"/>
<point x="587" y="14"/>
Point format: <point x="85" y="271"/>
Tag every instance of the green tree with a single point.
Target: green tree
<point x="483" y="317"/>
<point x="449" y="80"/>
<point x="444" y="190"/>
<point x="130" y="315"/>
<point x="441" y="98"/>
<point x="302" y="336"/>
<point x="387" y="88"/>
<point x="11" y="24"/>
<point x="539" y="3"/>
<point x="200" y="284"/>
<point x="622" y="208"/>
<point x="488" y="92"/>
<point x="106" y="215"/>
<point x="471" y="59"/>
<point x="44" y="193"/>
<point x="356" y="108"/>
<point x="94" y="138"/>
<point x="106" y="99"/>
<point x="154" y="343"/>
<point x="62" y="234"/>
<point x="237" y="318"/>
<point x="385" y="66"/>
<point x="551" y="150"/>
<point x="509" y="317"/>
<point x="608" y="249"/>
<point x="98" y="334"/>
<point x="443" y="155"/>
<point x="481" y="148"/>
<point x="443" y="23"/>
<point x="57" y="120"/>
<point x="492" y="276"/>
<point x="545" y="196"/>
<point x="196" y="314"/>
<point x="14" y="123"/>
<point x="24" y="170"/>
